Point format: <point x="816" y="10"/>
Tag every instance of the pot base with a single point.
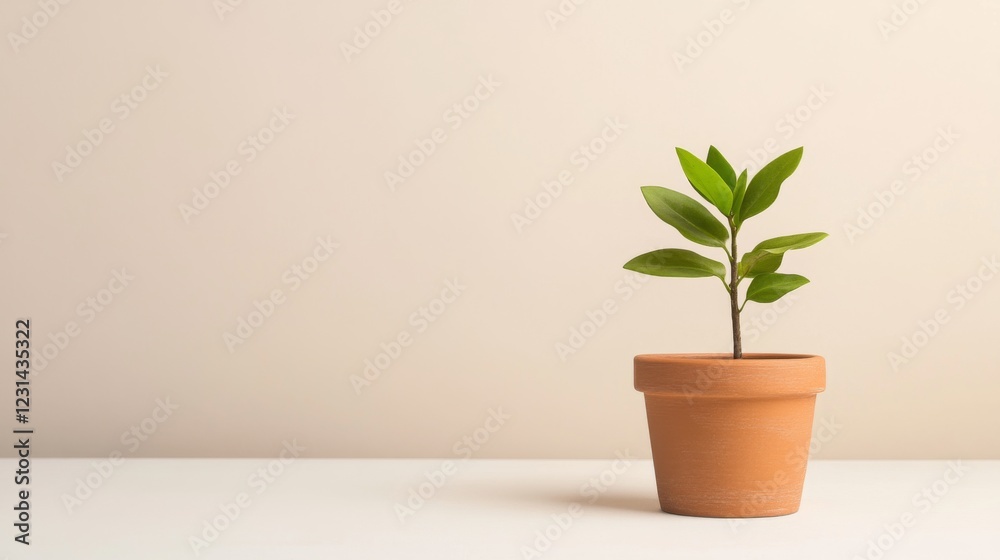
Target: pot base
<point x="700" y="513"/>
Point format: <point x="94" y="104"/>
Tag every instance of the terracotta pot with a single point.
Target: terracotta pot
<point x="730" y="437"/>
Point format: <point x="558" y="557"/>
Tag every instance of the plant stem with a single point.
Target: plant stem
<point x="734" y="295"/>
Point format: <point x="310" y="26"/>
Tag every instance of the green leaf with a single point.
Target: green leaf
<point x="677" y="263"/>
<point x="738" y="193"/>
<point x="763" y="188"/>
<point x="771" y="287"/>
<point x="686" y="214"/>
<point x="718" y="162"/>
<point x="766" y="256"/>
<point x="755" y="263"/>
<point x="706" y="181"/>
<point x="784" y="243"/>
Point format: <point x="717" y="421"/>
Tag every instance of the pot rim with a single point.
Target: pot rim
<point x="716" y="375"/>
<point x="699" y="357"/>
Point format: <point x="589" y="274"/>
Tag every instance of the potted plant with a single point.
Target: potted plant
<point x="730" y="434"/>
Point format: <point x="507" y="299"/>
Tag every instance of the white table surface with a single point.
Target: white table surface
<point x="344" y="509"/>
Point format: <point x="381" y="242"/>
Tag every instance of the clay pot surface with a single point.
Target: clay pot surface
<point x="730" y="438"/>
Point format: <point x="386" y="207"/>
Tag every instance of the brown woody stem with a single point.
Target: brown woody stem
<point x="734" y="295"/>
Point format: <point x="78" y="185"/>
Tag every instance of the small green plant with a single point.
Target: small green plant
<point x="738" y="200"/>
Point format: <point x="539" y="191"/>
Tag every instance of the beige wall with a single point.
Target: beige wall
<point x="152" y="276"/>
